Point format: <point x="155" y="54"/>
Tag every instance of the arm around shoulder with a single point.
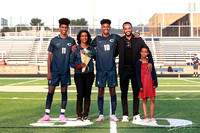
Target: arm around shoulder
<point x="73" y="59"/>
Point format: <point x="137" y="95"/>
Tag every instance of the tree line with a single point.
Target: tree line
<point x="38" y="22"/>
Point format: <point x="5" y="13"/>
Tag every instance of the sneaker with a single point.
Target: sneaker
<point x="62" y="118"/>
<point x="137" y="118"/>
<point x="114" y="118"/>
<point x="153" y="120"/>
<point x="101" y="118"/>
<point x="45" y="118"/>
<point x="146" y="120"/>
<point x="125" y="118"/>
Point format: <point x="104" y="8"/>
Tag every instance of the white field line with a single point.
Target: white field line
<point x="190" y="81"/>
<point x="27" y="78"/>
<point x="73" y="78"/>
<point x="23" y="78"/>
<point x="113" y="125"/>
<point x="177" y="78"/>
<point x="23" y="82"/>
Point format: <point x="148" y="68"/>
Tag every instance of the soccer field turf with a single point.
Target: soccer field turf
<point x="163" y="83"/>
<point x="19" y="110"/>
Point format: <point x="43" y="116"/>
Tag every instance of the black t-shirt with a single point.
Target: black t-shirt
<point x="128" y="52"/>
<point x="195" y="60"/>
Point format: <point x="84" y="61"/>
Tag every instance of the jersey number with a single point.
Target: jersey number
<point x="63" y="50"/>
<point x="107" y="47"/>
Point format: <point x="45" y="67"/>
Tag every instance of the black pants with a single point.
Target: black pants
<point x="129" y="73"/>
<point x="83" y="83"/>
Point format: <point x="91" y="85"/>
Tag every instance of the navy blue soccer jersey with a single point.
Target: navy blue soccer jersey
<point x="105" y="47"/>
<point x="61" y="49"/>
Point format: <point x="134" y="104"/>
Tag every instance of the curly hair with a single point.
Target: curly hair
<point x="103" y="21"/>
<point x="64" y="21"/>
<point x="79" y="36"/>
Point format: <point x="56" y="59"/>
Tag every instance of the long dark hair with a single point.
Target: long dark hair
<point x="79" y="36"/>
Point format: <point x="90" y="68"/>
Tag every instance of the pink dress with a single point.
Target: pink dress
<point x="147" y="83"/>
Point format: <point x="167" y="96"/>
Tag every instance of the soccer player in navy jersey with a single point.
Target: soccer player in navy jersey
<point x="59" y="67"/>
<point x="106" y="68"/>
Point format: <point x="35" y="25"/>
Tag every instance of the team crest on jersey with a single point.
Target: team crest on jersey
<point x="69" y="44"/>
<point x="111" y="40"/>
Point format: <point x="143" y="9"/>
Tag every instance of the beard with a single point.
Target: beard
<point x="129" y="34"/>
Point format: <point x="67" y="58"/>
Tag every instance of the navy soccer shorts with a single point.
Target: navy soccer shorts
<point x="106" y="76"/>
<point x="65" y="80"/>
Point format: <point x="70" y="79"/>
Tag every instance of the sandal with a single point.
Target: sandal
<point x="153" y="120"/>
<point x="146" y="120"/>
<point x="79" y="118"/>
<point x="86" y="118"/>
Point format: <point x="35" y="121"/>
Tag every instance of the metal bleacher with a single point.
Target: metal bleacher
<point x="165" y="51"/>
<point x="173" y="51"/>
<point x="25" y="51"/>
<point x="39" y="54"/>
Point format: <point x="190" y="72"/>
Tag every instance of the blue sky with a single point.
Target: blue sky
<point x="119" y="11"/>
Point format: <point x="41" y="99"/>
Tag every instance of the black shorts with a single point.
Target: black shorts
<point x="195" y="66"/>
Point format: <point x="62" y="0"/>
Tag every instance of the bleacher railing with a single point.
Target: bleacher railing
<point x="145" y="31"/>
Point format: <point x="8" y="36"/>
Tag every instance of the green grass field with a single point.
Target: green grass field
<point x="19" y="110"/>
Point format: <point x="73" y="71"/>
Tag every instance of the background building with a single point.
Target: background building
<point x="173" y="24"/>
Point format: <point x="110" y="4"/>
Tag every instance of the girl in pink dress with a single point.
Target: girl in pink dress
<point x="147" y="82"/>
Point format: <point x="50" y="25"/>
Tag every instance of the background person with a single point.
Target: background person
<point x="195" y="62"/>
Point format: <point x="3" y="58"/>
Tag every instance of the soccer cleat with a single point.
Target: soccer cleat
<point x="45" y="118"/>
<point x="153" y="120"/>
<point x="114" y="118"/>
<point x="62" y="118"/>
<point x="125" y="118"/>
<point x="137" y="118"/>
<point x="146" y="120"/>
<point x="194" y="75"/>
<point x="101" y="118"/>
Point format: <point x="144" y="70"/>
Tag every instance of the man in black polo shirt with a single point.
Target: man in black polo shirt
<point x="128" y="49"/>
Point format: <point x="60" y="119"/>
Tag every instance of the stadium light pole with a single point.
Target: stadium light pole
<point x="163" y="18"/>
<point x="140" y="13"/>
<point x="94" y="20"/>
<point x="10" y="21"/>
<point x="191" y="10"/>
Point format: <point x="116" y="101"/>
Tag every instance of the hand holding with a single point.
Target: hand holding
<point x="82" y="65"/>
<point x="149" y="67"/>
